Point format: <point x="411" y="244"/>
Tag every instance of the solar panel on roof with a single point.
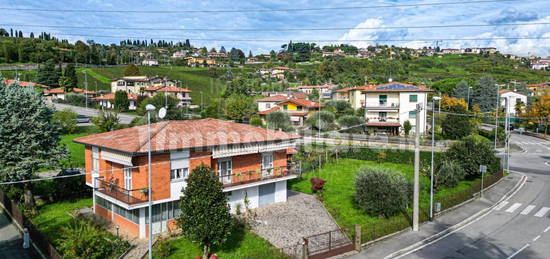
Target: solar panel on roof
<point x="396" y="87"/>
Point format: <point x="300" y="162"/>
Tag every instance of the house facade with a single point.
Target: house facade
<point x="135" y="84"/>
<point x="107" y="101"/>
<point x="388" y="106"/>
<point x="59" y="93"/>
<point x="514" y="98"/>
<point x="250" y="162"/>
<point x="181" y="94"/>
<point x="297" y="109"/>
<point x="325" y="90"/>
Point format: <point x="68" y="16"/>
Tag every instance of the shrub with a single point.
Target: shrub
<point x="317" y="184"/>
<point x="67" y="119"/>
<point x="469" y="153"/>
<point x="326" y="123"/>
<point x="449" y="173"/>
<point x="279" y="120"/>
<point x="381" y="192"/>
<point x="352" y="121"/>
<point x="407" y="127"/>
<point x="456" y="126"/>
<point x="162" y="248"/>
<point x="84" y="240"/>
<point x="69" y="187"/>
<point x="381" y="157"/>
<point x="256" y="121"/>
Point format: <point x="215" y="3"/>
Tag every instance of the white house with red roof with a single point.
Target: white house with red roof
<point x="324" y="90"/>
<point x="388" y="106"/>
<point x="249" y="162"/>
<point x="297" y="109"/>
<point x="107" y="100"/>
<point x="514" y="98"/>
<point x="182" y="94"/>
<point x="59" y="93"/>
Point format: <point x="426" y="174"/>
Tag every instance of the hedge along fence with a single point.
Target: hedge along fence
<point x="37" y="238"/>
<point x="394" y="224"/>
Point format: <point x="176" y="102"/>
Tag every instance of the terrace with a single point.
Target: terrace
<point x="235" y="179"/>
<point x="111" y="189"/>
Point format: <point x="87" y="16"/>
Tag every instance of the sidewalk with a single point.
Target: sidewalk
<point x="449" y="218"/>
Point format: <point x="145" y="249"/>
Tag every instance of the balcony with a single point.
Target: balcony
<point x="112" y="190"/>
<point x="248" y="177"/>
<point x="381" y="106"/>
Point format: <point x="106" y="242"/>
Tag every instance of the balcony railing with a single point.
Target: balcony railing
<point x="382" y="105"/>
<point x="110" y="189"/>
<point x="382" y="119"/>
<point x="247" y="177"/>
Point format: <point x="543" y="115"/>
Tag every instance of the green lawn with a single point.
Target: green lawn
<point x="76" y="151"/>
<point x="340" y="189"/>
<point x="240" y="244"/>
<point x="52" y="217"/>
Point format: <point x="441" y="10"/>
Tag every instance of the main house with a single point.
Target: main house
<point x="251" y="162"/>
<point x="388" y="106"/>
<point x="297" y="109"/>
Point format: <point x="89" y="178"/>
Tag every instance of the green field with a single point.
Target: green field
<point x="76" y="151"/>
<point x="340" y="189"/>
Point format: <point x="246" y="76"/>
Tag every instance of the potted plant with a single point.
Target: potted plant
<point x="144" y="191"/>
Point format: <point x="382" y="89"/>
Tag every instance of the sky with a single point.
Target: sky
<point x="505" y="12"/>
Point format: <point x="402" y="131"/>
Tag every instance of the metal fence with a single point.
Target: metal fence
<point x="376" y="139"/>
<point x="12" y="208"/>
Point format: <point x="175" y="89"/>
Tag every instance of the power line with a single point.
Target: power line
<point x="249" y="10"/>
<point x="300" y="40"/>
<point x="276" y="29"/>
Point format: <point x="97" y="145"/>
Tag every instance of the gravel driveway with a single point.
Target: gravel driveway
<point x="285" y="224"/>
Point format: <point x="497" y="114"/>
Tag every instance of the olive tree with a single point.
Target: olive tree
<point x="279" y="120"/>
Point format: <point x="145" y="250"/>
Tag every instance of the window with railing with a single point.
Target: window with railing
<point x="224" y="170"/>
<point x="382" y="99"/>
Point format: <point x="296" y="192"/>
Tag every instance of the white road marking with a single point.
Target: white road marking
<point x="536" y="238"/>
<point x="514" y="207"/>
<point x="501" y="205"/>
<point x="541" y="212"/>
<point x="518" y="251"/>
<point x="546" y="230"/>
<point x="527" y="210"/>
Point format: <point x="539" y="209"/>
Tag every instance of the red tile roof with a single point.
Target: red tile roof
<point x="395" y="87"/>
<point x="330" y="86"/>
<point x="111" y="96"/>
<point x="172" y="135"/>
<point x="276" y="108"/>
<point x="23" y="83"/>
<point x="274" y="98"/>
<point x="174" y="89"/>
<point x="60" y="90"/>
<point x="304" y="102"/>
<point x="78" y="90"/>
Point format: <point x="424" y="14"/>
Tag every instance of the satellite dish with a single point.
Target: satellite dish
<point x="162" y="113"/>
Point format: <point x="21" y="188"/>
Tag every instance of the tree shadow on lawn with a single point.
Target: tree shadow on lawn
<point x="234" y="240"/>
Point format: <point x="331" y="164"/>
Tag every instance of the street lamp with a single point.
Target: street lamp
<point x="150" y="108"/>
<point x="435" y="98"/>
<point x="468" y="106"/>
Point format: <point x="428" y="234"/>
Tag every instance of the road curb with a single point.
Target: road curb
<point x="460" y="225"/>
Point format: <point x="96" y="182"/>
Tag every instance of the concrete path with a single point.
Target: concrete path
<point x="11" y="240"/>
<point x="124" y="118"/>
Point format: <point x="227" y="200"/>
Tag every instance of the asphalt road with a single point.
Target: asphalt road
<point x="124" y="118"/>
<point x="517" y="228"/>
<point x="11" y="241"/>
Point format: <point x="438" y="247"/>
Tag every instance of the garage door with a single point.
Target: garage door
<point x="267" y="194"/>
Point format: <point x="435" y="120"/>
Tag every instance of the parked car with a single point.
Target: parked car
<point x="82" y="119"/>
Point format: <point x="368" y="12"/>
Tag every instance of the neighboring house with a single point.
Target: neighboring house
<point x="540" y="89"/>
<point x="182" y="94"/>
<point x="276" y="72"/>
<point x="214" y="54"/>
<point x="137" y="84"/>
<point x="250" y="161"/>
<point x="325" y="90"/>
<point x="150" y="62"/>
<point x="269" y="102"/>
<point x="336" y="52"/>
<point x="59" y="93"/>
<point x="541" y="64"/>
<point x="107" y="100"/>
<point x="389" y="105"/>
<point x="450" y="51"/>
<point x="297" y="109"/>
<point x="24" y="83"/>
<point x="201" y="62"/>
<point x="472" y="51"/>
<point x="513" y="98"/>
<point x="180" y="54"/>
<point x="297" y="95"/>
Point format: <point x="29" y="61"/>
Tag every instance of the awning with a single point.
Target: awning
<point x="117" y="157"/>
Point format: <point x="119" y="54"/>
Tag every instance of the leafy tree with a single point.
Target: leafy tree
<point x="351" y="124"/>
<point x="485" y="94"/>
<point x="29" y="137"/>
<point x="456" y="126"/>
<point x="48" y="75"/>
<point x="205" y="216"/>
<point x="539" y="112"/>
<point x="340" y="107"/>
<point x="131" y="70"/>
<point x="325" y="123"/>
<point x="461" y="90"/>
<point x="448" y="102"/>
<point x="213" y="110"/>
<point x="239" y="107"/>
<point x="66" y="83"/>
<point x="407" y="127"/>
<point x="381" y="192"/>
<point x="256" y="121"/>
<point x="67" y="119"/>
<point x="160" y="100"/>
<point x="279" y="120"/>
<point x="449" y="173"/>
<point x="82" y="239"/>
<point x="70" y="72"/>
<point x="519" y="108"/>
<point x="121" y="101"/>
<point x="470" y="153"/>
<point x="314" y="95"/>
<point x="106" y="121"/>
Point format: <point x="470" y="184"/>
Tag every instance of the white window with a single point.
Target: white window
<point x="95" y="159"/>
<point x="412" y="114"/>
<point x="179" y="174"/>
<point x="267" y="163"/>
<point x="128" y="178"/>
<point x="268" y="105"/>
<point x="224" y="170"/>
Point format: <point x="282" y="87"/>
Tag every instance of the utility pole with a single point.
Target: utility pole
<point x="468" y="104"/>
<point x="86" y="88"/>
<point x="416" y="167"/>
<point x="435" y="98"/>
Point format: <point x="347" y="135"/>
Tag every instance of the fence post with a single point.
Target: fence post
<point x="357" y="238"/>
<point x="305" y="251"/>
